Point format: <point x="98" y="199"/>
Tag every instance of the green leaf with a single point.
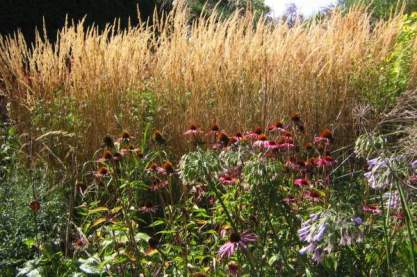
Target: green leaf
<point x="98" y="210"/>
<point x="142" y="236"/>
<point x="98" y="221"/>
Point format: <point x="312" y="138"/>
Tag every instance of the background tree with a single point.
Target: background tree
<point x="382" y="8"/>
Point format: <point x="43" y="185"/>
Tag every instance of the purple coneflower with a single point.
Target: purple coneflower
<point x="228" y="180"/>
<point x="107" y="157"/>
<point x="301" y="182"/>
<point x="325" y="137"/>
<point x="193" y="131"/>
<point x="372" y="209"/>
<point x="236" y="241"/>
<point x="325" y="161"/>
<point x="102" y="172"/>
<point x="312" y="195"/>
<point x="158" y="185"/>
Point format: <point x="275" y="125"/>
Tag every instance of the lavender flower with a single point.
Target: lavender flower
<point x="236" y="241"/>
<point x="309" y="248"/>
<point x="320" y="233"/>
<point x="376" y="176"/>
<point x="414" y="165"/>
<point x="357" y="220"/>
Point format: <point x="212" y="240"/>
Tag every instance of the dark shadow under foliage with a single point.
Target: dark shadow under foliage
<point x="28" y="14"/>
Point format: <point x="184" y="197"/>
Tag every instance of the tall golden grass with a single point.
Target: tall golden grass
<point x="235" y="73"/>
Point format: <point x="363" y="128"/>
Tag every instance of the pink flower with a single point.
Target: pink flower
<point x="158" y="185"/>
<point x="325" y="137"/>
<point x="326" y="161"/>
<point x="193" y="131"/>
<point x="312" y="195"/>
<point x="301" y="182"/>
<point x="286" y="143"/>
<point x="289" y="200"/>
<point x="261" y="141"/>
<point x="295" y="165"/>
<point x="228" y="180"/>
<point x="253" y="135"/>
<point x="372" y="209"/>
<point x="271" y="145"/>
<point x="236" y="241"/>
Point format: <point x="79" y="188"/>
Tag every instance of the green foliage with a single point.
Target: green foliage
<point x="382" y="8"/>
<point x="23" y="233"/>
<point x="395" y="73"/>
<point x="226" y="7"/>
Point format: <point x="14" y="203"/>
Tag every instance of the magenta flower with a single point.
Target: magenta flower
<point x="312" y="195"/>
<point x="286" y="143"/>
<point x="228" y="180"/>
<point x="325" y="161"/>
<point x="158" y="185"/>
<point x="301" y="182"/>
<point x="372" y="209"/>
<point x="271" y="145"/>
<point x="193" y="131"/>
<point x="236" y="241"/>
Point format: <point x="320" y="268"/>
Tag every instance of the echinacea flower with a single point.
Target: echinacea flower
<point x="253" y="135"/>
<point x="223" y="139"/>
<point x="227" y="180"/>
<point x="124" y="152"/>
<point x="107" y="157"/>
<point x="158" y="138"/>
<point x="236" y="241"/>
<point x="35" y="206"/>
<point x="295" y="164"/>
<point x="301" y="182"/>
<point x="193" y="131"/>
<point x="261" y="141"/>
<point x="278" y="127"/>
<point x="238" y="137"/>
<point x="289" y="200"/>
<point x="158" y="185"/>
<point x="325" y="137"/>
<point x="125" y="138"/>
<point x="312" y="195"/>
<point x="137" y="152"/>
<point x="168" y="167"/>
<point x="117" y="157"/>
<point x="271" y="145"/>
<point x="286" y="143"/>
<point x="102" y="172"/>
<point x="372" y="209"/>
<point x="148" y="208"/>
<point x="152" y="168"/>
<point x="325" y="161"/>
